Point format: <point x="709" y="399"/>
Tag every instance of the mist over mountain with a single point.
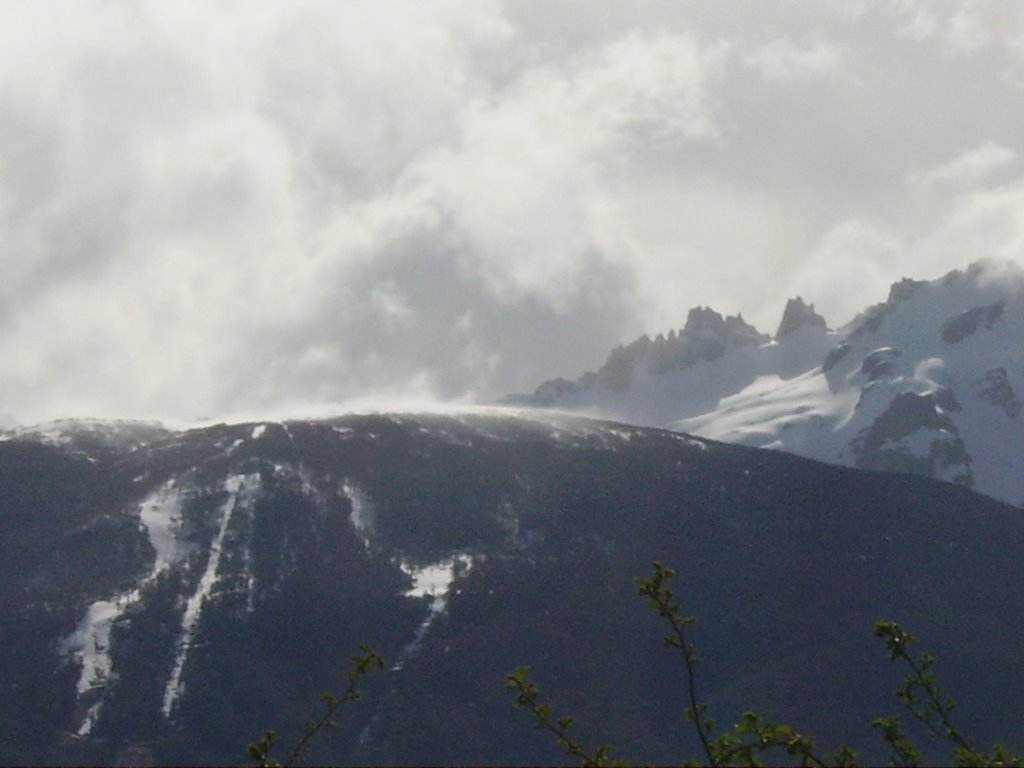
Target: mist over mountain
<point x="269" y="265"/>
<point x="926" y="382"/>
<point x="170" y="594"/>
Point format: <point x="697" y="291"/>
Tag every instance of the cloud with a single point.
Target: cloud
<point x="782" y="60"/>
<point x="213" y="207"/>
<point x="919" y="21"/>
<point x="963" y="27"/>
<point x="983" y="223"/>
<point x="970" y="167"/>
<point x="853" y="261"/>
<point x="967" y="32"/>
<point x="196" y="182"/>
<point x="522" y="189"/>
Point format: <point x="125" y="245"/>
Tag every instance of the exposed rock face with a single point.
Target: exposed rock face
<point x="881" y="362"/>
<point x="871" y="320"/>
<point x="915" y="435"/>
<point x="834" y="356"/>
<point x="996" y="389"/>
<point x="850" y="395"/>
<point x="958" y="328"/>
<point x="904" y="289"/>
<point x="617" y="372"/>
<point x="706" y="336"/>
<point x="702" y="322"/>
<point x="799" y="315"/>
<point x="549" y="392"/>
<point x="910" y="386"/>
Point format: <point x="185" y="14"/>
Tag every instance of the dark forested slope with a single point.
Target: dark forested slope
<point x="168" y="595"/>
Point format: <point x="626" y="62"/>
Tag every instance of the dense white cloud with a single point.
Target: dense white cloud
<point x="219" y="206"/>
<point x="525" y="186"/>
<point x="987" y="222"/>
<point x="852" y="261"/>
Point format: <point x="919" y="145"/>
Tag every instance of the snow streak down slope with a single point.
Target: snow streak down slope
<point x="220" y="463"/>
<point x="160" y="515"/>
<point x="241" y="489"/>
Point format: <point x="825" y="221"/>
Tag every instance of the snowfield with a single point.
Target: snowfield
<point x="929" y="381"/>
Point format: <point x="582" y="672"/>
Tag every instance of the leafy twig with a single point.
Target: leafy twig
<point x="527" y="696"/>
<point x="661" y="599"/>
<point x="923" y="698"/>
<point x="750" y="737"/>
<point x="362" y="664"/>
<point x="744" y="743"/>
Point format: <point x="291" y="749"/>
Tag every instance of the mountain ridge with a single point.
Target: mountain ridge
<point x="171" y="598"/>
<point x="908" y="385"/>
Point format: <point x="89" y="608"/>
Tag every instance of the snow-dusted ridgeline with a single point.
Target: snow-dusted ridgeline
<point x="933" y="378"/>
<point x="930" y="381"/>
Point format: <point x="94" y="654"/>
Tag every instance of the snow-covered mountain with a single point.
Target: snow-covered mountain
<point x="927" y="382"/>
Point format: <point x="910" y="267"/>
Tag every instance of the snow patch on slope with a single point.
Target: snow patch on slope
<point x="160" y="515"/>
<point x="363" y="514"/>
<point x="771" y="409"/>
<point x="433" y="581"/>
<point x="436" y="579"/>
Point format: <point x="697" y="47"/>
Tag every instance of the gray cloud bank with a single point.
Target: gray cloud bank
<point x="219" y="206"/>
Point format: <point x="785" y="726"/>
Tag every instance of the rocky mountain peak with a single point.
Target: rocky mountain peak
<point x="701" y="319"/>
<point x="706" y="323"/>
<point x="799" y="314"/>
<point x="871" y="319"/>
<point x="929" y="381"/>
<point x="904" y="289"/>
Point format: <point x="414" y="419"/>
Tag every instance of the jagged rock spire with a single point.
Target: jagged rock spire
<point x="798" y="314"/>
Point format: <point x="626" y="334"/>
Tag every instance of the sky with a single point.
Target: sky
<point x="210" y="207"/>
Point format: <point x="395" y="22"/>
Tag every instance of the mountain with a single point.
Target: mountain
<point x="654" y="382"/>
<point x="927" y="382"/>
<point x="169" y="594"/>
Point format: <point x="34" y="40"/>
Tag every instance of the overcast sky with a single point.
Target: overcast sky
<point x="220" y="206"/>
